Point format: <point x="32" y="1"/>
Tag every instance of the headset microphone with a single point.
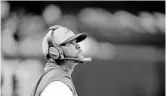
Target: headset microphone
<point x="87" y="59"/>
<point x="84" y="60"/>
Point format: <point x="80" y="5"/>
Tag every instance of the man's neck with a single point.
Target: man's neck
<point x="67" y="66"/>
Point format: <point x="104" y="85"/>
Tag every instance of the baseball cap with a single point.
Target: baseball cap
<point x="60" y="35"/>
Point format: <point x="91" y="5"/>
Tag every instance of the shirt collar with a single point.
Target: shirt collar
<point x="52" y="65"/>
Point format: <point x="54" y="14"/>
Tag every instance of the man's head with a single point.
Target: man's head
<point x="60" y="43"/>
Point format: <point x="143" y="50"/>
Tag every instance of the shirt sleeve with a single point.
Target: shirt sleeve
<point x="57" y="88"/>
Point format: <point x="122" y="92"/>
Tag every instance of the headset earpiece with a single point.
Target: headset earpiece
<point x="56" y="52"/>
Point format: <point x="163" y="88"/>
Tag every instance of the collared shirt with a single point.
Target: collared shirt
<point x="61" y="88"/>
<point x="54" y="82"/>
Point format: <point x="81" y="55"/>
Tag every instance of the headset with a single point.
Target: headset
<point x="56" y="52"/>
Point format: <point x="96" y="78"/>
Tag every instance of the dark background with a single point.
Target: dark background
<point x="75" y="6"/>
<point x="134" y="7"/>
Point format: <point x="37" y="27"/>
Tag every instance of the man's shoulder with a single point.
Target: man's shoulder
<point x="57" y="88"/>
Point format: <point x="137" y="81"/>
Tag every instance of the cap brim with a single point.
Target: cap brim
<point x="78" y="37"/>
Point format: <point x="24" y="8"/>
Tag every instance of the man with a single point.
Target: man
<point x="63" y="54"/>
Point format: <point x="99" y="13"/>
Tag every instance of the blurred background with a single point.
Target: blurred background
<point x="126" y="41"/>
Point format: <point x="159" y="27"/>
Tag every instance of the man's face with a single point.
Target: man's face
<point x="72" y="49"/>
